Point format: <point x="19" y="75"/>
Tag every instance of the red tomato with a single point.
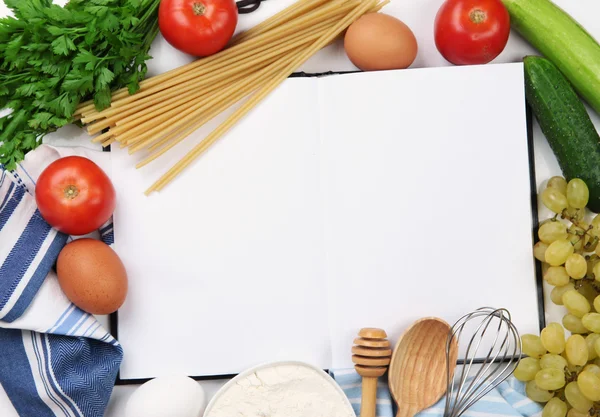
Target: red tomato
<point x="198" y="27"/>
<point x="469" y="32"/>
<point x="75" y="196"/>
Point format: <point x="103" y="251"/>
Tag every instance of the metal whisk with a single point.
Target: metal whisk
<point x="492" y="354"/>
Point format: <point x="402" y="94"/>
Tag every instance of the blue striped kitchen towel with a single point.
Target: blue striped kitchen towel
<point x="55" y="359"/>
<point x="507" y="400"/>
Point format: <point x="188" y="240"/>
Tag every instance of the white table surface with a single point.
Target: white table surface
<point x="419" y="15"/>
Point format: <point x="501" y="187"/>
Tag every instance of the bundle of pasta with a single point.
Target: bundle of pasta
<point x="169" y="107"/>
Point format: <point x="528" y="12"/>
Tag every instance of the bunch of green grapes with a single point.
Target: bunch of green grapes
<point x="561" y="371"/>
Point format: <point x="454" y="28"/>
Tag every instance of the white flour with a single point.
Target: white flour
<point x="281" y="391"/>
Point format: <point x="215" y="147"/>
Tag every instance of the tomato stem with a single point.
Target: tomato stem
<point x="71" y="192"/>
<point x="199" y="8"/>
<point x="477" y="16"/>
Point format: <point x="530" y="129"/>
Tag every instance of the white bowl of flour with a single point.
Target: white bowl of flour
<point x="281" y="389"/>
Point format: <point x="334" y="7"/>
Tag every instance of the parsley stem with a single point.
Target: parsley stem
<point x="16" y="121"/>
<point x="13" y="77"/>
<point x="151" y="10"/>
<point x="150" y="38"/>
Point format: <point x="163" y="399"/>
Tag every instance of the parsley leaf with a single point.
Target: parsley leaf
<point x="86" y="58"/>
<point x="55" y="31"/>
<point x="97" y="10"/>
<point x="63" y="45"/>
<point x="102" y="98"/>
<point x="54" y="58"/>
<point x="27" y="89"/>
<point x="30" y="141"/>
<point x="103" y="78"/>
<point x="110" y="22"/>
<point x="75" y="82"/>
<point x="40" y="120"/>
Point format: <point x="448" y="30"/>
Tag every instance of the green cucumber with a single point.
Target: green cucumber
<point x="565" y="123"/>
<point x="563" y="41"/>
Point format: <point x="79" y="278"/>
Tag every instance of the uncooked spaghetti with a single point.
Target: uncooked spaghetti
<point x="169" y="107"/>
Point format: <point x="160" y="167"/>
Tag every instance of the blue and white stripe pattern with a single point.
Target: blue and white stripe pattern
<point x="351" y="383"/>
<point x="55" y="359"/>
<point x="507" y="400"/>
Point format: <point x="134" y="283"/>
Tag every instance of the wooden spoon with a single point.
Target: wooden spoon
<point x="417" y="374"/>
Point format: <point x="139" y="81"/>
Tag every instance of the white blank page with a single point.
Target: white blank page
<point x="362" y="200"/>
<point x="427" y="195"/>
<point x="226" y="263"/>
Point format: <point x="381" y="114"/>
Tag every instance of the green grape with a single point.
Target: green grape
<point x="596" y="251"/>
<point x="531" y="345"/>
<point x="596" y="271"/>
<point x="576" y="303"/>
<point x="574" y="413"/>
<point x="553" y="338"/>
<point x="596" y="225"/>
<point x="526" y="369"/>
<point x="557" y="293"/>
<point x="576" y="398"/>
<point x="550" y="360"/>
<point x="570" y="367"/>
<point x="597" y="348"/>
<point x="591" y="321"/>
<point x="593" y="245"/>
<point x="578" y="193"/>
<point x="574" y="214"/>
<point x="539" y="251"/>
<point x="558" y="183"/>
<point x="555" y="408"/>
<point x="573" y="324"/>
<point x="576" y="240"/>
<point x="576" y="350"/>
<point x="558" y="252"/>
<point x="545" y="267"/>
<point x="596" y="303"/>
<point x="580" y="228"/>
<point x="597" y="360"/>
<point x="576" y="266"/>
<point x="557" y="276"/>
<point x="551" y="231"/>
<point x="591" y="340"/>
<point x="594" y="369"/>
<point x="588" y="291"/>
<point x="592" y="260"/>
<point x="554" y="200"/>
<point x="580" y="236"/>
<point x="589" y="385"/>
<point x="540" y="395"/>
<point x="550" y="379"/>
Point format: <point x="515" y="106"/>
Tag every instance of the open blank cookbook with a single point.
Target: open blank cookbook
<point x="341" y="202"/>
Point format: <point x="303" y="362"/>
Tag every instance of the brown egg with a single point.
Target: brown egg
<point x="378" y="41"/>
<point x="92" y="276"/>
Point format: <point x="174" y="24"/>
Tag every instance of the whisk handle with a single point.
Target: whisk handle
<point x="407" y="410"/>
<point x="369" y="397"/>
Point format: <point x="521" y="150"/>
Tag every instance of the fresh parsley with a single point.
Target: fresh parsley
<point x="52" y="58"/>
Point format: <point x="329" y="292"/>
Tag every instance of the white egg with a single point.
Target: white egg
<point x="167" y="396"/>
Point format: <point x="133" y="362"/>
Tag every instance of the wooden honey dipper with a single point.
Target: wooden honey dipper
<point x="371" y="355"/>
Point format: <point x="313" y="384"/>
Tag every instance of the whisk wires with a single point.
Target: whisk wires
<point x="499" y="340"/>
